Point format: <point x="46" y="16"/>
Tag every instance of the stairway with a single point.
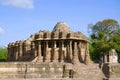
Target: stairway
<point x="88" y="72"/>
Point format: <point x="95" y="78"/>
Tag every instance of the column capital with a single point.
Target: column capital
<point x="39" y="42"/>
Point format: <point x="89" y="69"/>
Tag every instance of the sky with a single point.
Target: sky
<point x="21" y="18"/>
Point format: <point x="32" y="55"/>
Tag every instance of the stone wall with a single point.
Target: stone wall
<point x="11" y="70"/>
<point x="112" y="70"/>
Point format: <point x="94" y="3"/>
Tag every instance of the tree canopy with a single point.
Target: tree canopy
<point x="105" y="36"/>
<point x="107" y="26"/>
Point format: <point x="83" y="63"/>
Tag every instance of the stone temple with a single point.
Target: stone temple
<point x="60" y="45"/>
<point x="58" y="55"/>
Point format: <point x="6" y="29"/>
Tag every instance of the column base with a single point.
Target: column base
<point x="75" y="61"/>
<point x="39" y="59"/>
<point x="61" y="61"/>
<point x="87" y="59"/>
<point x="55" y="61"/>
<point x="47" y="61"/>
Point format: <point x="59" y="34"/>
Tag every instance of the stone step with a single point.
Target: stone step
<point x="42" y="79"/>
<point x="57" y="79"/>
<point x="88" y="72"/>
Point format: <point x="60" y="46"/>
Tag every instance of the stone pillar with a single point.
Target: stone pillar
<point x="39" y="49"/>
<point x="44" y="50"/>
<point x="75" y="54"/>
<point x="32" y="48"/>
<point x="20" y="51"/>
<point x="35" y="49"/>
<point x="55" y="55"/>
<point x="39" y="52"/>
<point x="47" y="56"/>
<point x="16" y="52"/>
<point x="87" y="56"/>
<point x="70" y="51"/>
<point x="9" y="52"/>
<point x="12" y="52"/>
<point x="24" y="48"/>
<point x="61" y="52"/>
<point x="81" y="59"/>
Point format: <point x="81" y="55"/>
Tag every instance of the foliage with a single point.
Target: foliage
<point x="108" y="26"/>
<point x="92" y="51"/>
<point x="3" y="53"/>
<point x="105" y="36"/>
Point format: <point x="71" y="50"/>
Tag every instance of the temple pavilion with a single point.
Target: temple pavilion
<point x="60" y="45"/>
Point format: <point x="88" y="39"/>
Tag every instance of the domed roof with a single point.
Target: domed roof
<point x="62" y="27"/>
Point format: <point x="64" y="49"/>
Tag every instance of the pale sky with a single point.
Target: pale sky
<point x="21" y="18"/>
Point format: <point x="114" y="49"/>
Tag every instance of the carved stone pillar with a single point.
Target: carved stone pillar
<point x="39" y="52"/>
<point x="70" y="50"/>
<point x="24" y="49"/>
<point x="36" y="50"/>
<point x="20" y="51"/>
<point x="33" y="48"/>
<point x="80" y="52"/>
<point x="68" y="53"/>
<point x="9" y="52"/>
<point x="33" y="45"/>
<point x="16" y="52"/>
<point x="87" y="56"/>
<point x="47" y="54"/>
<point x="13" y="52"/>
<point x="75" y="54"/>
<point x="54" y="54"/>
<point x="61" y="55"/>
<point x="39" y="49"/>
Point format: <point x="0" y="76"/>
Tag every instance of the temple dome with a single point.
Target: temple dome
<point x="62" y="27"/>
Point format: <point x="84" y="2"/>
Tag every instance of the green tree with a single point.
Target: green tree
<point x="105" y="36"/>
<point x="3" y="53"/>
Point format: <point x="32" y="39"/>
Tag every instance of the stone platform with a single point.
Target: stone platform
<point x="29" y="70"/>
<point x="50" y="71"/>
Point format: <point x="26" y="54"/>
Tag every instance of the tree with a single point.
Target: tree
<point x="108" y="26"/>
<point x="3" y="53"/>
<point x="105" y="36"/>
